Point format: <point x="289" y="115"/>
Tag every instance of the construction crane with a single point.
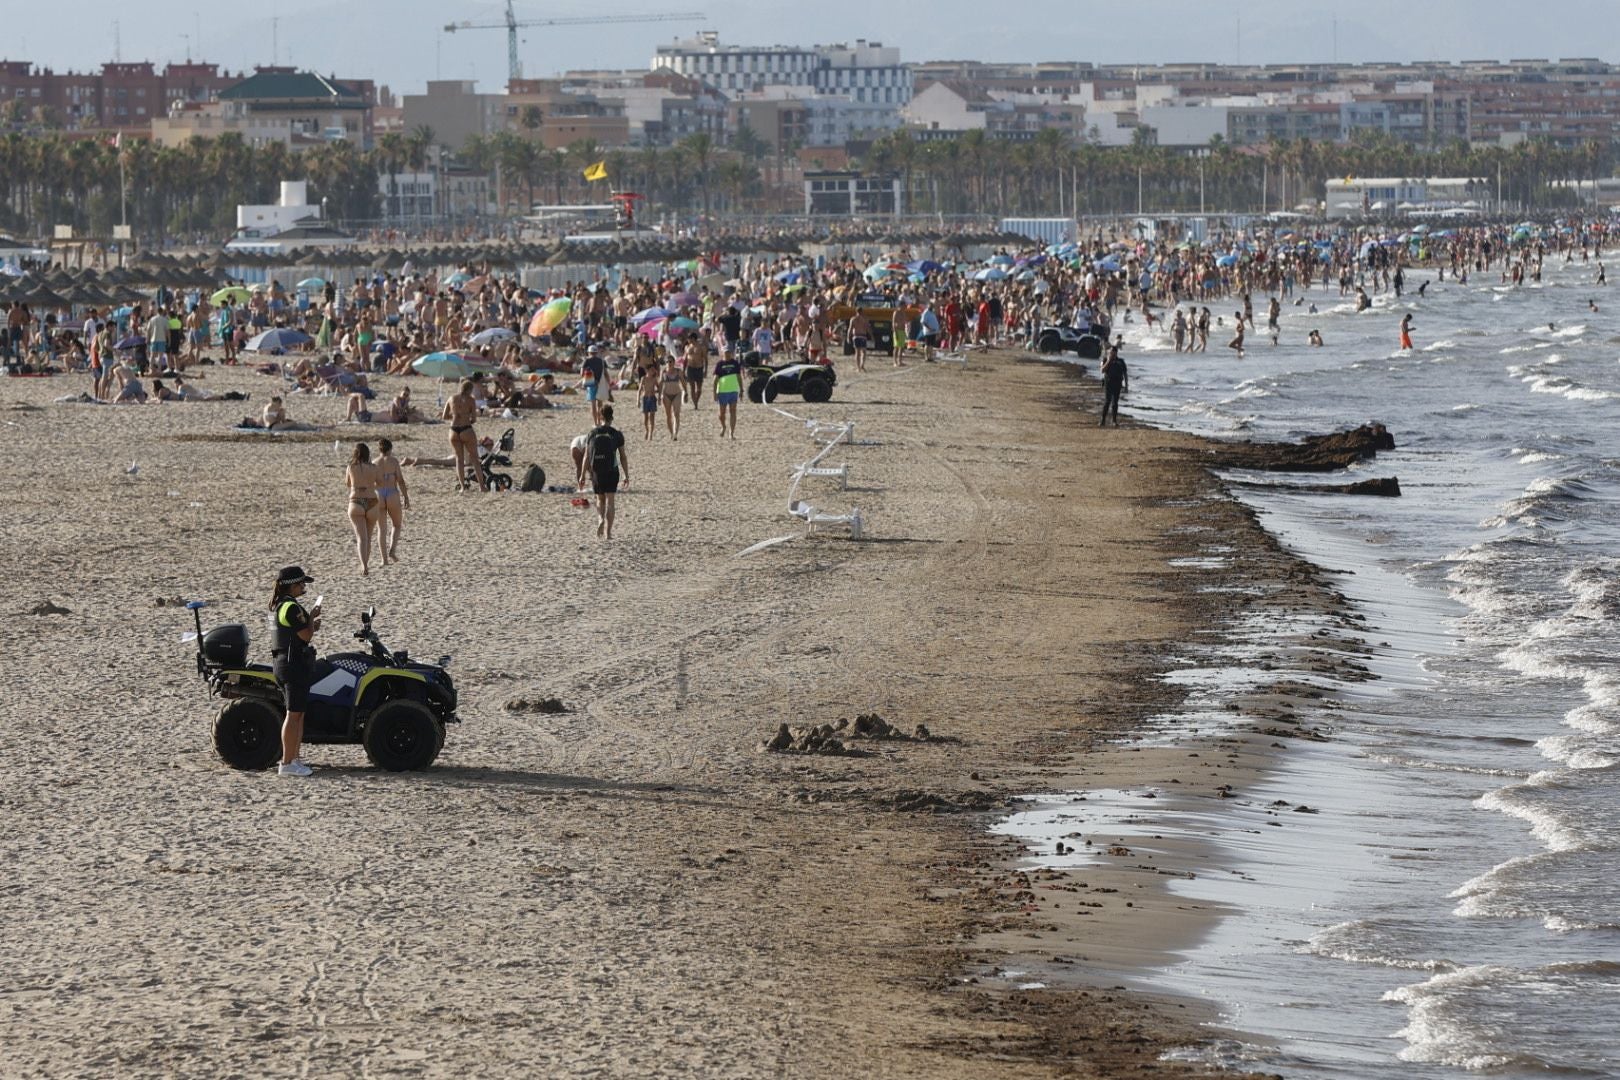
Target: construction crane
<point x="513" y="24"/>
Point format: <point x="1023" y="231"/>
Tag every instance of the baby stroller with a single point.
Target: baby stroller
<point x="498" y="455"/>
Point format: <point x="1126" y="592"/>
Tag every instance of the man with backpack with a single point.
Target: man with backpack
<point x="604" y="457"/>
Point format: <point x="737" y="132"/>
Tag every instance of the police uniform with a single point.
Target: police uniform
<point x="292" y="658"/>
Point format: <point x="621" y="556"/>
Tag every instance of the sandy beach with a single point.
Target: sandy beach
<point x="631" y="887"/>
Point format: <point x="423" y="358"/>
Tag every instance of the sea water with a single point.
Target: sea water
<point x="1454" y="904"/>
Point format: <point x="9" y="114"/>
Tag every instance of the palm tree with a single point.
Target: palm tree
<point x="701" y="147"/>
<point x="390" y="154"/>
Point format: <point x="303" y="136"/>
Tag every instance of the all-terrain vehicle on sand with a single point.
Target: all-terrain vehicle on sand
<point x="393" y="706"/>
<point x="1086" y="342"/>
<point x="813" y="382"/>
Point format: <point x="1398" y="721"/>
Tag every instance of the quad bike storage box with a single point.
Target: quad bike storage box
<point x="226" y="645"/>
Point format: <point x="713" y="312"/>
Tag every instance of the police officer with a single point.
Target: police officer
<point x="291" y="628"/>
<point x="1116" y="379"/>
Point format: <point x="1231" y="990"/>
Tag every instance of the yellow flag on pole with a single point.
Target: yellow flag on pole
<point x="597" y="171"/>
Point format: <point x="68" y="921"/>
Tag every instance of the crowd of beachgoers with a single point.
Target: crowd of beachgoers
<point x="889" y="299"/>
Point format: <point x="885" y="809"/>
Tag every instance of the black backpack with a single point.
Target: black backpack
<point x="534" y="479"/>
<point x="604" y="449"/>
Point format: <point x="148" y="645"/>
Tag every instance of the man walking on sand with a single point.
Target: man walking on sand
<point x="604" y="456"/>
<point x="157" y="340"/>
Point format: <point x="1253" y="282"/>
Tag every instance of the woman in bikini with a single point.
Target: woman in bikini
<point x="365" y="508"/>
<point x="672" y="382"/>
<point x="395" y="500"/>
<point x="461" y="411"/>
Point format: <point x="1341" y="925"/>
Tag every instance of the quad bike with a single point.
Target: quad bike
<point x="813" y="382"/>
<point x="395" y="707"/>
<point x="1085" y="343"/>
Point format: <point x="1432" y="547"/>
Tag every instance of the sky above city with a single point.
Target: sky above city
<point x="402" y="43"/>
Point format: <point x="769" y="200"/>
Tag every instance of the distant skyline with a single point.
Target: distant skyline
<point x="411" y="47"/>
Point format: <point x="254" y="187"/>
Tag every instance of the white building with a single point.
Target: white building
<point x="417" y="196"/>
<point x="866" y="72"/>
<point x="1394" y="196"/>
<point x="950" y="107"/>
<point x="268" y="220"/>
<point x="1186" y="125"/>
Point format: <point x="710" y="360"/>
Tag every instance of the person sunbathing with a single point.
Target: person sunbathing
<point x="129" y="387"/>
<point x="401" y="411"/>
<point x="274" y="415"/>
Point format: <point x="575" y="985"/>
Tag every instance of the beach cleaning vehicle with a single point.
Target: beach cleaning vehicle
<point x="395" y="707"/>
<point x="813" y="382"/>
<point x="888" y="320"/>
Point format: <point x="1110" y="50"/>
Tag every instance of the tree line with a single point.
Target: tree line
<point x="191" y="191"/>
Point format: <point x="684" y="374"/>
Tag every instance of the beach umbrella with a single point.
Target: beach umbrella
<point x="1109" y="265"/>
<point x="877" y="272"/>
<point x="712" y="282"/>
<point x="42" y="296"/>
<point x="493" y="336"/>
<point x="991" y="273"/>
<point x="1226" y="260"/>
<point x="646" y="315"/>
<point x="458" y="278"/>
<point x="681" y="322"/>
<point x="133" y="341"/>
<point x="1001" y="260"/>
<point x="680" y="299"/>
<point x="792" y="289"/>
<point x="446" y="365"/>
<point x="550" y="316"/>
<point x="280" y="338"/>
<point x="234" y="293"/>
<point x="652" y="327"/>
<point x="310" y="283"/>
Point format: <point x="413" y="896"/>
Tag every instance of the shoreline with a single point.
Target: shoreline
<point x="746" y="904"/>
<point x="1075" y="921"/>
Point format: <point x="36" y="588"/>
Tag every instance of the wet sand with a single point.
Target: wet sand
<point x="631" y="887"/>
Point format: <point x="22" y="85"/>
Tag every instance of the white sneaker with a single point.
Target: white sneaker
<point x="297" y="768"/>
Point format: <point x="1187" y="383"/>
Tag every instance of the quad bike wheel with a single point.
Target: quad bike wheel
<point x="402" y="736"/>
<point x="770" y="391"/>
<point x="247" y="734"/>
<point x="756" y="389"/>
<point x="1049" y="343"/>
<point x="816" y="389"/>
